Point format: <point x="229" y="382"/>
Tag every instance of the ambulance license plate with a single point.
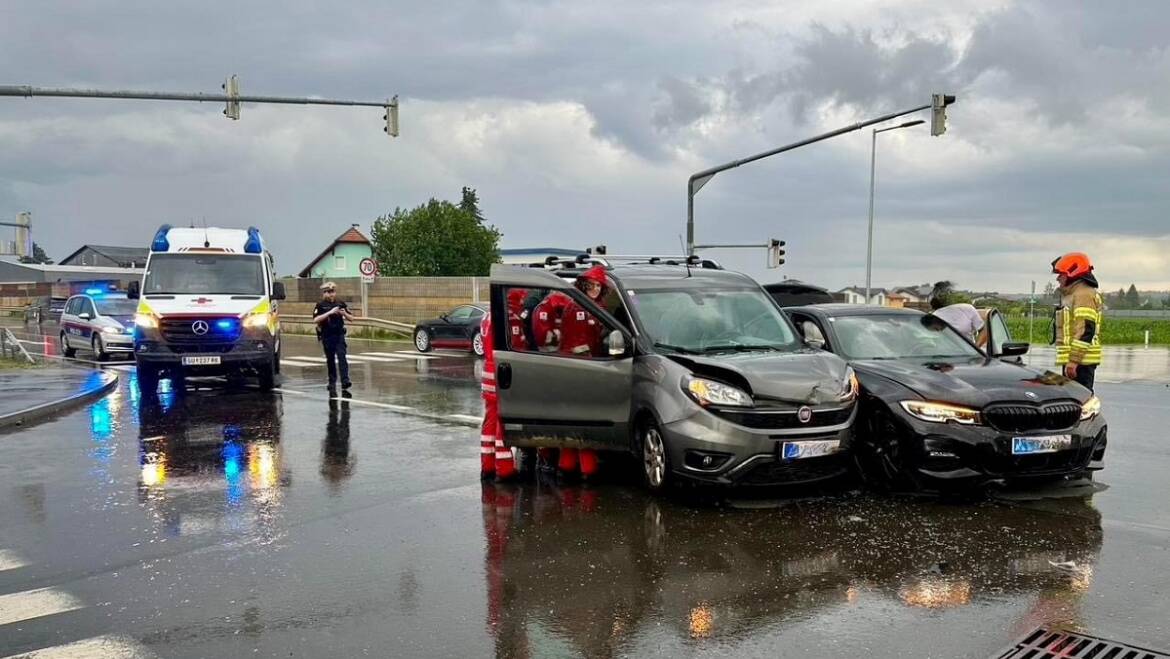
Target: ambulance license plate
<point x="809" y="449"/>
<point x="1047" y="444"/>
<point x="212" y="360"/>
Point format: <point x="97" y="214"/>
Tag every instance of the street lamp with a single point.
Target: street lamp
<point x="869" y="246"/>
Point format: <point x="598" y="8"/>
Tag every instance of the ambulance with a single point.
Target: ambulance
<point x="207" y="305"/>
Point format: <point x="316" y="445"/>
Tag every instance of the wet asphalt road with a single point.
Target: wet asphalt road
<point x="233" y="523"/>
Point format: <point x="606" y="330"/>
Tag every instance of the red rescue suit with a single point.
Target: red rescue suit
<point x="494" y="456"/>
<point x="546" y="321"/>
<point x="517" y="317"/>
<point x="581" y="332"/>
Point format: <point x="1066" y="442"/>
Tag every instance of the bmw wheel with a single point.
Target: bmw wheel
<point x="655" y="461"/>
<point x="422" y="339"/>
<point x="477" y="344"/>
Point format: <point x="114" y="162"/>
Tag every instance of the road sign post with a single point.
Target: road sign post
<point x="368" y="269"/>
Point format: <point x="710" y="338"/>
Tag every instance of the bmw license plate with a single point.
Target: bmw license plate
<point x="1047" y="444"/>
<point x="809" y="449"/>
<point x="212" y="360"/>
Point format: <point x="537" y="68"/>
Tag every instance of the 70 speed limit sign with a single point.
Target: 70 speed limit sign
<point x="368" y="267"/>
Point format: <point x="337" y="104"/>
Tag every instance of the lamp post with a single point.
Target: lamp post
<point x="872" y="162"/>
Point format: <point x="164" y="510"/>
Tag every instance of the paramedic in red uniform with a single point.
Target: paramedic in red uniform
<point x="581" y="336"/>
<point x="546" y="321"/>
<point x="494" y="458"/>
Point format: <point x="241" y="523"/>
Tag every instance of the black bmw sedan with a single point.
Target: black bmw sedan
<point x="940" y="414"/>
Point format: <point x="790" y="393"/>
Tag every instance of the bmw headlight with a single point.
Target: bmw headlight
<point x="709" y="392"/>
<point x="1091" y="408"/>
<point x="941" y="412"/>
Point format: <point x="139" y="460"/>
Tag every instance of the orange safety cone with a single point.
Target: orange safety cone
<point x="505" y="464"/>
<point x="487" y="445"/>
<point x="568" y="460"/>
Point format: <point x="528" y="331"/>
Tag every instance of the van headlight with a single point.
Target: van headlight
<point x="257" y="320"/>
<point x="146" y="321"/>
<point x="1091" y="408"/>
<point x="112" y="330"/>
<point x="709" y="392"/>
<point x="941" y="412"/>
<point x="851" y="385"/>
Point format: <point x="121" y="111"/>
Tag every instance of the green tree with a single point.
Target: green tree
<point x="1132" y="299"/>
<point x="38" y="256"/>
<point x="436" y="239"/>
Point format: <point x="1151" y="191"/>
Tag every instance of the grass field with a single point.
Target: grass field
<point x="1115" y="331"/>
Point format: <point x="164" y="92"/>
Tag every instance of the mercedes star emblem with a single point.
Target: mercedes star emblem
<point x="199" y="327"/>
<point x="804" y="414"/>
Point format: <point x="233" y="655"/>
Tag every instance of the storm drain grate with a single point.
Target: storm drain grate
<point x="1047" y="644"/>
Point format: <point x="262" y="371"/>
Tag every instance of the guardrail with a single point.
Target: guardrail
<point x="360" y="321"/>
<point x="9" y="345"/>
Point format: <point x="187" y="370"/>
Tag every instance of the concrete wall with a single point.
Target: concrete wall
<point x="403" y="299"/>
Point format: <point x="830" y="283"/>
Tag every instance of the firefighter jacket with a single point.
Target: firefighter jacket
<point x="1078" y="324"/>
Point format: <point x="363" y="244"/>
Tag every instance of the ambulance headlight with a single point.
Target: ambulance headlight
<point x="257" y="320"/>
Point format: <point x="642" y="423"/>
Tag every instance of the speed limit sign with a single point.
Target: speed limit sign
<point x="367" y="267"/>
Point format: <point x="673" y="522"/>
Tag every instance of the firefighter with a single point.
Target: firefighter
<point x="581" y="336"/>
<point x="1077" y="327"/>
<point x="494" y="458"/>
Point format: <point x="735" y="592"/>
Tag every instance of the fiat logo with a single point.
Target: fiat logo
<point x="199" y="327"/>
<point x="804" y="414"/>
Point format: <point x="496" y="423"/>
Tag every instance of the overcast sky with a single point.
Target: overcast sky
<point x="579" y="123"/>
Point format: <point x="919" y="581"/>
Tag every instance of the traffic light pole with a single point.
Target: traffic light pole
<point x="27" y="91"/>
<point x="699" y="179"/>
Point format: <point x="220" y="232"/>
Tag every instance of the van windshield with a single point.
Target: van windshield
<point x="204" y="274"/>
<point x="713" y="320"/>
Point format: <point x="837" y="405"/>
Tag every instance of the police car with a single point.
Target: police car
<point x="99" y="321"/>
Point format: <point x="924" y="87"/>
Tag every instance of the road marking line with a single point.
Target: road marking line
<point x="317" y="360"/>
<point x="415" y="355"/>
<point x="296" y="362"/>
<point x="464" y="417"/>
<point x="366" y="357"/>
<point x="31" y="604"/>
<point x="388" y="406"/>
<point x="292" y="391"/>
<point x="10" y="560"/>
<point x="113" y="647"/>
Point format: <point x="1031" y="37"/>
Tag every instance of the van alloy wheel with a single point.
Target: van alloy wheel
<point x="653" y="457"/>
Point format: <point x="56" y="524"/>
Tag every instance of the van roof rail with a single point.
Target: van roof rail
<point x="608" y="262"/>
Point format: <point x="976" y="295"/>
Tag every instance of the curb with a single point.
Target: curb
<point x="38" y="412"/>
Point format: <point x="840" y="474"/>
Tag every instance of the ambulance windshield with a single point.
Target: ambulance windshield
<point x="204" y="274"/>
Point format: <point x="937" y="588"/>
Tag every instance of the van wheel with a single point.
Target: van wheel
<point x="422" y="339"/>
<point x="477" y="344"/>
<point x="65" y="349"/>
<point x="655" y="459"/>
<point x="147" y="380"/>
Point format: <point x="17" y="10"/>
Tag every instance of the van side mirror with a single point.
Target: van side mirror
<point x="1013" y="349"/>
<point x="133" y="290"/>
<point x="278" y="290"/>
<point x="616" y="343"/>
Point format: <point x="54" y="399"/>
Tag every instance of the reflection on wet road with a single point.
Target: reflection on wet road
<point x="226" y="522"/>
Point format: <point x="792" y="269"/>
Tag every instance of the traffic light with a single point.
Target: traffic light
<point x="232" y="89"/>
<point x="391" y="118"/>
<point x="776" y="253"/>
<point x="938" y="113"/>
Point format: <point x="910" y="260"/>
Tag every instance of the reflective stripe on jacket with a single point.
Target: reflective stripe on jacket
<point x="1078" y="325"/>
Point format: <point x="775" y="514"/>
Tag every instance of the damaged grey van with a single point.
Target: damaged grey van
<point x="698" y="374"/>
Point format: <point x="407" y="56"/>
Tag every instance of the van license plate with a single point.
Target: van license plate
<point x="201" y="361"/>
<point x="810" y="449"/>
<point x="1048" y="444"/>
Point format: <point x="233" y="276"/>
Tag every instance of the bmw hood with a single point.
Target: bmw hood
<point x="805" y="378"/>
<point x="972" y="382"/>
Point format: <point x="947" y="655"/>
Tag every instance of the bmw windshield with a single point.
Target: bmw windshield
<point x="899" y="336"/>
<point x="204" y="274"/>
<point x="697" y="321"/>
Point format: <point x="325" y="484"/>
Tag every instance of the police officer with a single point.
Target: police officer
<point x="1077" y="326"/>
<point x="330" y="315"/>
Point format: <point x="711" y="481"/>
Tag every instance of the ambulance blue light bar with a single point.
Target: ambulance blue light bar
<point x="161" y="244"/>
<point x="252" y="245"/>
